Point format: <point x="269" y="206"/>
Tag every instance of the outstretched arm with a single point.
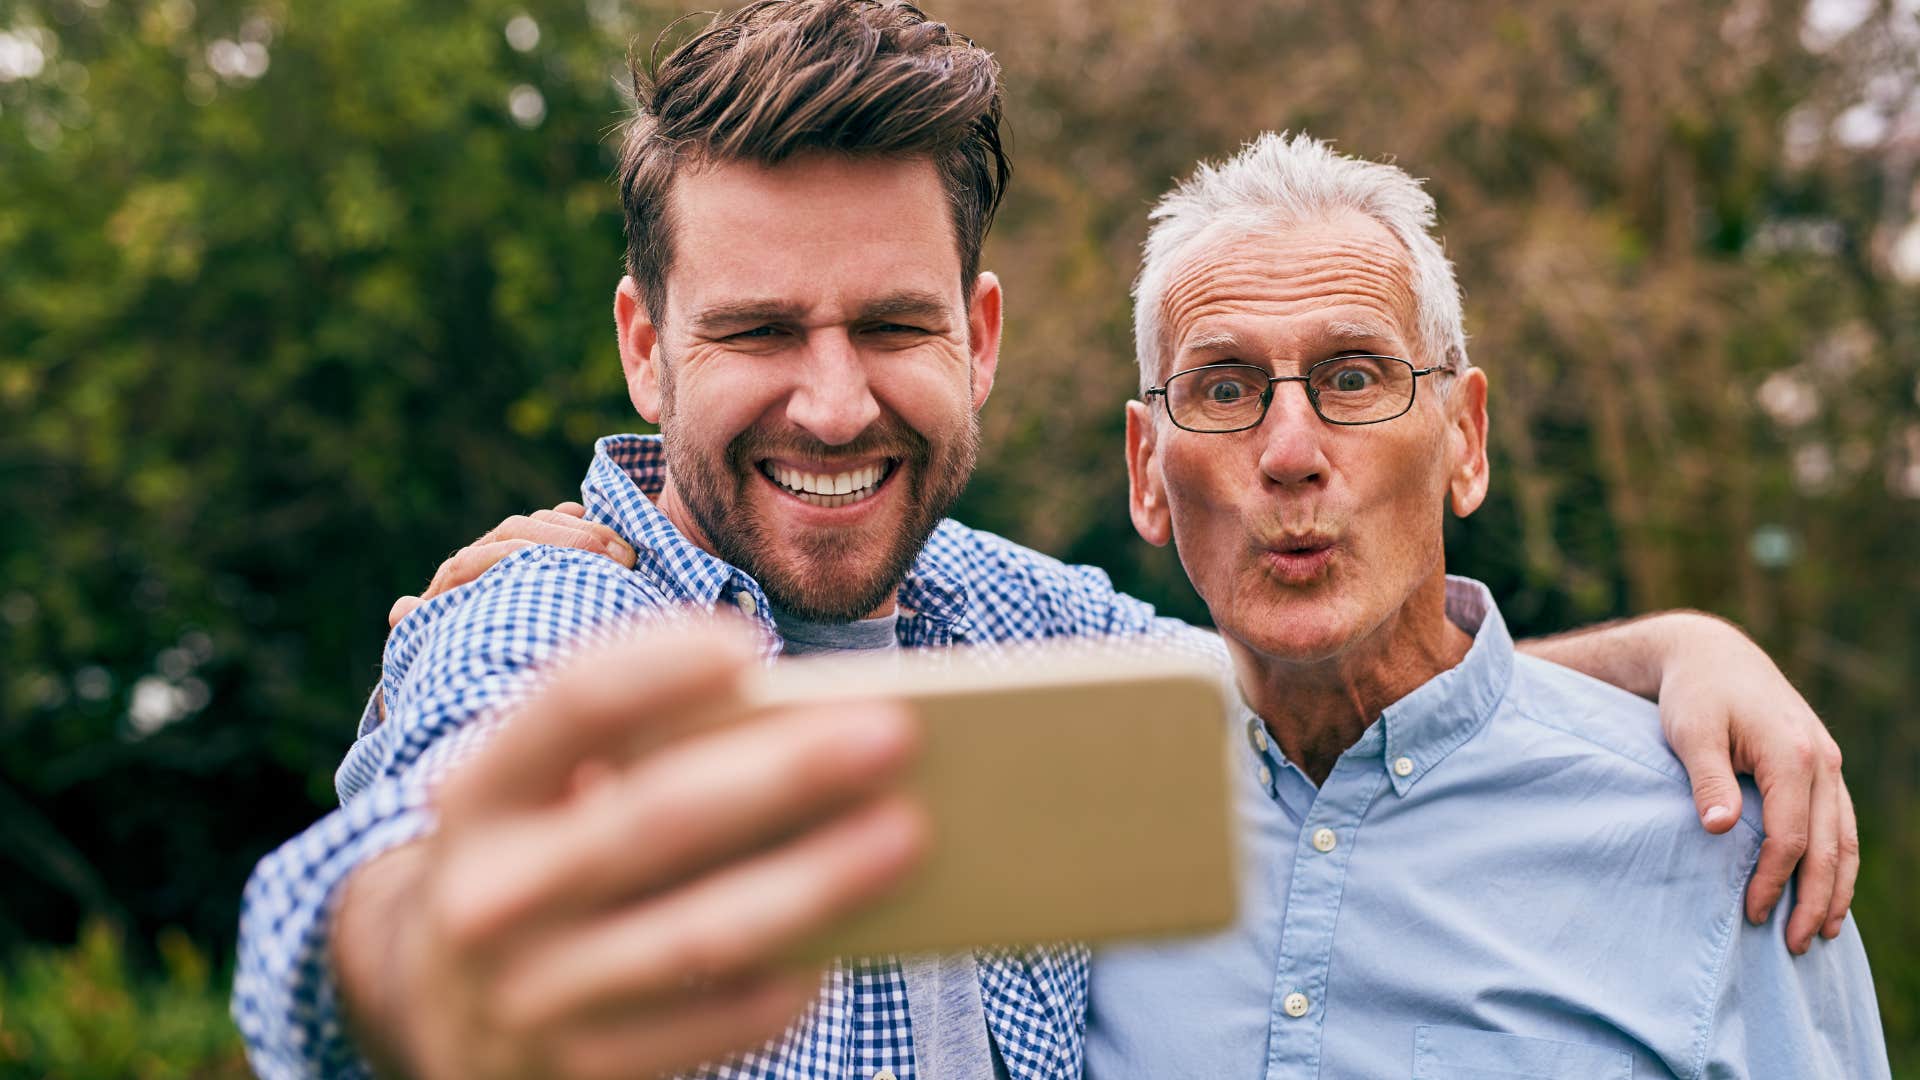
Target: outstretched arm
<point x="1726" y="709"/>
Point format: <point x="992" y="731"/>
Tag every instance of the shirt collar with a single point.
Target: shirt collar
<point x="1421" y="729"/>
<point x="935" y="587"/>
<point x="1417" y="732"/>
<point x="628" y="474"/>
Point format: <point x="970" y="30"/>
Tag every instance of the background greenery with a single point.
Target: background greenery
<point x="297" y="297"/>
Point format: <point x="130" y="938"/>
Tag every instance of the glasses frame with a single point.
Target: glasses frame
<point x="1305" y="379"/>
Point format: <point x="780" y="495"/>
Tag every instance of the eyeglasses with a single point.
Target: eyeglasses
<point x="1349" y="390"/>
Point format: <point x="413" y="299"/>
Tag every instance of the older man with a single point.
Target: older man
<point x="1460" y="862"/>
<point x="570" y="870"/>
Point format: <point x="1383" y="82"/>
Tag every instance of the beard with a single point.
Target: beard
<point x="821" y="574"/>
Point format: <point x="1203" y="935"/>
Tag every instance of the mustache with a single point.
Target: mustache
<point x="886" y="437"/>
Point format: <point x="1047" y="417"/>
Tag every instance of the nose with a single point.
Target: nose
<point x="834" y="402"/>
<point x="1292" y="452"/>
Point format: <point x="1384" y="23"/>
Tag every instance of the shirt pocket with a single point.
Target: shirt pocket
<point x="1451" y="1053"/>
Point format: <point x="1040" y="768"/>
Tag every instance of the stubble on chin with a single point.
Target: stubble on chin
<point x="820" y="575"/>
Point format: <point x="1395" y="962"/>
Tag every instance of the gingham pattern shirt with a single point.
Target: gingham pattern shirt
<point x="453" y="666"/>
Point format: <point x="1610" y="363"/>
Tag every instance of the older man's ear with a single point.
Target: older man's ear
<point x="1146" y="489"/>
<point x="1467" y="441"/>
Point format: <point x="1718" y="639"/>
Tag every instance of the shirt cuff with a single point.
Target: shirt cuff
<point x="285" y="999"/>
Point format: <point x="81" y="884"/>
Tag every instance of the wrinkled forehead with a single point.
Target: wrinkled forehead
<point x="1291" y="286"/>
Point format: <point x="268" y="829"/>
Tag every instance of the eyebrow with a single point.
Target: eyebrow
<point x="737" y="313"/>
<point x="1343" y="332"/>
<point x="1220" y="340"/>
<point x="907" y="303"/>
<point x="1213" y="341"/>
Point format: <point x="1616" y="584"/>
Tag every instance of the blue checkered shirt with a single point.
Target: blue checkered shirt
<point x="455" y="665"/>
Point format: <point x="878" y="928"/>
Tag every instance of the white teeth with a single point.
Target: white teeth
<point x="821" y="489"/>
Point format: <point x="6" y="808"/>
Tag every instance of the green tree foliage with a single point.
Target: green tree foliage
<point x="296" y="297"/>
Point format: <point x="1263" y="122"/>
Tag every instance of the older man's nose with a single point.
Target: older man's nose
<point x="1291" y="451"/>
<point x="832" y="401"/>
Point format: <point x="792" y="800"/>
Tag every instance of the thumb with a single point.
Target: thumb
<point x="1705" y="750"/>
<point x="401" y="608"/>
<point x="1716" y="795"/>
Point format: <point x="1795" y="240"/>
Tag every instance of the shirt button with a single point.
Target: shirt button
<point x="1296" y="1004"/>
<point x="1324" y="840"/>
<point x="1403" y="766"/>
<point x="744" y="601"/>
<point x="1258" y="732"/>
<point x="1266" y="776"/>
<point x="883" y="1074"/>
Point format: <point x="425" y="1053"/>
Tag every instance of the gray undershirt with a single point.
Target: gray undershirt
<point x="803" y="637"/>
<point x="950" y="1039"/>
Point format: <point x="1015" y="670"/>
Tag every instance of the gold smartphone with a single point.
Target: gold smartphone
<point x="1077" y="793"/>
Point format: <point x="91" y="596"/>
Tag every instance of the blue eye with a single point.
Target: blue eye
<point x="1355" y="376"/>
<point x="1227" y="385"/>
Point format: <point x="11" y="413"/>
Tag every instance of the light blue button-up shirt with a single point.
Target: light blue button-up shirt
<point x="1503" y="878"/>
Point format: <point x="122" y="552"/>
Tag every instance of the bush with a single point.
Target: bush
<point x="88" y="1011"/>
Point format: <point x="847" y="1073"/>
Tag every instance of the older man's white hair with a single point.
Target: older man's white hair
<point x="1276" y="181"/>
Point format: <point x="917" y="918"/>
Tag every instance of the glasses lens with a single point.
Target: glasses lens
<point x="1225" y="397"/>
<point x="1361" y="389"/>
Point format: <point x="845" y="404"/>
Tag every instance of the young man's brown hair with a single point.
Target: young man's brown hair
<point x="782" y="77"/>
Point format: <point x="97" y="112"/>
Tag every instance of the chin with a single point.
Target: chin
<point x="1289" y="627"/>
<point x="830" y="589"/>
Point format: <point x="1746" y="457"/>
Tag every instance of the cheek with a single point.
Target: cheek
<point x="931" y="394"/>
<point x="725" y="396"/>
<point x="1404" y="513"/>
<point x="1203" y="500"/>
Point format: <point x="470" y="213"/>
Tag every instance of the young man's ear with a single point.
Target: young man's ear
<point x="983" y="335"/>
<point x="639" y="349"/>
<point x="1146" y="487"/>
<point x="1468" y="471"/>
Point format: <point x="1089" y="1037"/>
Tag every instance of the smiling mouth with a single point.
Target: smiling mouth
<point x="829" y="489"/>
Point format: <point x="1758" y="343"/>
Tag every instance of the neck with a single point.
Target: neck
<point x="1316" y="709"/>
<point x="671" y="504"/>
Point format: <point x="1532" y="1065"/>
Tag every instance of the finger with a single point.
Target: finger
<point x="729" y="922"/>
<point x="1849" y="872"/>
<point x="469" y="563"/>
<point x="401" y="608"/>
<point x="600" y="702"/>
<point x="1705" y="750"/>
<point x="1819" y="868"/>
<point x="570" y="508"/>
<point x="685" y="809"/>
<point x="1785" y="800"/>
<point x="588" y="536"/>
<point x="724" y="1020"/>
<point x="554" y="530"/>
